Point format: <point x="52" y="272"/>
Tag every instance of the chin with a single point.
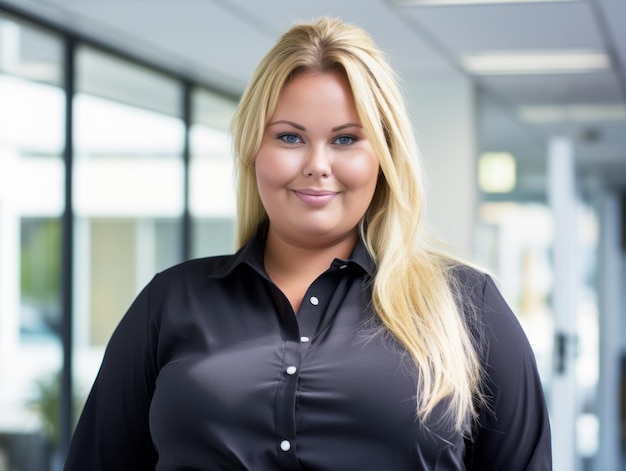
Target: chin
<point x="326" y="234"/>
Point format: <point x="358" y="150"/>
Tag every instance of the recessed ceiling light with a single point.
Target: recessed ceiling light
<point x="496" y="172"/>
<point x="572" y="113"/>
<point x="535" y="62"/>
<point x="417" y="3"/>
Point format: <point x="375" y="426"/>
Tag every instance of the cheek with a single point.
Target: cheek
<point x="265" y="169"/>
<point x="272" y="170"/>
<point x="362" y="175"/>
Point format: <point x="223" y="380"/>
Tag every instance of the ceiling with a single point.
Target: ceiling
<point x="221" y="41"/>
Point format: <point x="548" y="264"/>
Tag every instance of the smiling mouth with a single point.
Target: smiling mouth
<point x="315" y="197"/>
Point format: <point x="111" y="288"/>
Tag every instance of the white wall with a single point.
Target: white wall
<point x="444" y="117"/>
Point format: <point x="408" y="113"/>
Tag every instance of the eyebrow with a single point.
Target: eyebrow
<point x="347" y="125"/>
<point x="302" y="128"/>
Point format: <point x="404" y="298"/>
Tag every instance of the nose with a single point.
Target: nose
<point x="317" y="162"/>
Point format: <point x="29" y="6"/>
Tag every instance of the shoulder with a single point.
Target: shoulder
<point x="198" y="266"/>
<point x="468" y="278"/>
<point x="501" y="340"/>
<point x="471" y="286"/>
<point x="487" y="313"/>
<point x="191" y="272"/>
<point x="477" y="289"/>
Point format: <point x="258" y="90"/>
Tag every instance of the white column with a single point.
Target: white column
<point x="9" y="289"/>
<point x="562" y="196"/>
<point x="145" y="252"/>
<point x="443" y="112"/>
<point x="9" y="258"/>
<point x="609" y="285"/>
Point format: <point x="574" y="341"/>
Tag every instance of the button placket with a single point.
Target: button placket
<point x="304" y="340"/>
<point x="313" y="316"/>
<point x="286" y="397"/>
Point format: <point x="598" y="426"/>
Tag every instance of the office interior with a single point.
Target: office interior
<point x="115" y="163"/>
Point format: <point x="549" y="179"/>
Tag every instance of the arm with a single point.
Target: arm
<point x="513" y="432"/>
<point x="113" y="432"/>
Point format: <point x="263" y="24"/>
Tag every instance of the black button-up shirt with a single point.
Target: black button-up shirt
<point x="210" y="369"/>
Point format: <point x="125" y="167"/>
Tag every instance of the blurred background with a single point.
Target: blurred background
<point x="115" y="163"/>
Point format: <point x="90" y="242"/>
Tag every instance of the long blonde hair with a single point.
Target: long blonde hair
<point x="412" y="291"/>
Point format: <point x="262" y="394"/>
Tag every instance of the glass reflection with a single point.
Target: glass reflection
<point x="128" y="194"/>
<point x="212" y="192"/>
<point x="31" y="204"/>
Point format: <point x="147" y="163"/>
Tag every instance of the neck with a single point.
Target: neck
<point x="294" y="266"/>
<point x="291" y="257"/>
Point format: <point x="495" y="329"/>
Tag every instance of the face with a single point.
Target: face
<point x="316" y="171"/>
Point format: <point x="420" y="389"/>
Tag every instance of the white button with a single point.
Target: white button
<point x="291" y="370"/>
<point x="314" y="300"/>
<point x="343" y="266"/>
<point x="285" y="445"/>
<point x="304" y="339"/>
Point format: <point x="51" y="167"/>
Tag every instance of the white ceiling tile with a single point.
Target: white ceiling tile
<point x="556" y="89"/>
<point x="409" y="53"/>
<point x="466" y="29"/>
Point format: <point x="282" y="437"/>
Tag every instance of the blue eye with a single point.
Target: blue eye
<point x="345" y="140"/>
<point x="289" y="138"/>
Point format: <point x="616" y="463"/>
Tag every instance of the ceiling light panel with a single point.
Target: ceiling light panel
<point x="572" y="113"/>
<point x="535" y="62"/>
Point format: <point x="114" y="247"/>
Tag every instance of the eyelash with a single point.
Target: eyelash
<point x="282" y="137"/>
<point x="353" y="139"/>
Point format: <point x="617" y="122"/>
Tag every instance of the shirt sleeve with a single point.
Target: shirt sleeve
<point x="513" y="432"/>
<point x="113" y="432"/>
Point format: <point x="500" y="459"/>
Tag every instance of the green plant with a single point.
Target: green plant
<point x="46" y="403"/>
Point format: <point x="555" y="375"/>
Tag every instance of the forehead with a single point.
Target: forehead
<point x="316" y="90"/>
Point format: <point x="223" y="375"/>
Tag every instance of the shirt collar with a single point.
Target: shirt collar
<point x="252" y="254"/>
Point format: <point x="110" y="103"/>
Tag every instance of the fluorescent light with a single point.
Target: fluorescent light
<point x="535" y="62"/>
<point x="413" y="3"/>
<point x="572" y="113"/>
<point x="496" y="172"/>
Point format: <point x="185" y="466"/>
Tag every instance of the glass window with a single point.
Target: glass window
<point x="31" y="205"/>
<point x="128" y="194"/>
<point x="29" y="52"/>
<point x="212" y="190"/>
<point x="128" y="200"/>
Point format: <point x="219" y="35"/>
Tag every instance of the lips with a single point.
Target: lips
<point x="315" y="198"/>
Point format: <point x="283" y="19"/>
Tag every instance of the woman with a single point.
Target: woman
<point x="338" y="337"/>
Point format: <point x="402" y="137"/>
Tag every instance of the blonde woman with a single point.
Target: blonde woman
<point x="338" y="337"/>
